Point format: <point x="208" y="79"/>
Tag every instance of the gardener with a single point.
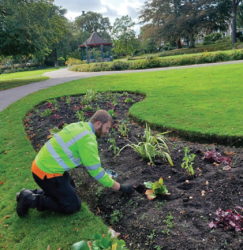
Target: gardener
<point x="73" y="145"/>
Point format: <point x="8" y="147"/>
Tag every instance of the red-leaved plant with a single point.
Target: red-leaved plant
<point x="215" y="156"/>
<point x="229" y="220"/>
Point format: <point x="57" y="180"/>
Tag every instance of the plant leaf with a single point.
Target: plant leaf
<point x="148" y="184"/>
<point x="151" y="197"/>
<point x="149" y="192"/>
<point x="81" y="245"/>
<point x="161" y="181"/>
<point x="97" y="236"/>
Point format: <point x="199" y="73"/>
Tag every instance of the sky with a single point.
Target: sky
<point x="108" y="8"/>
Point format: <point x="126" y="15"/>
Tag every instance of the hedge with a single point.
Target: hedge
<point x="156" y="62"/>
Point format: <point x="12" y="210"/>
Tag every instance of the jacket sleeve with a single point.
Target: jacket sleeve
<point x="88" y="152"/>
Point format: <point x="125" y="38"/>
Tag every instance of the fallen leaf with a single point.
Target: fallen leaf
<point x="229" y="153"/>
<point x="7" y="216"/>
<point x="215" y="164"/>
<point x="200" y="174"/>
<point x="1" y="183"/>
<point x="48" y="247"/>
<point x="49" y="136"/>
<point x="6" y="225"/>
<point x="126" y="236"/>
<point x="75" y="229"/>
<point x="98" y="211"/>
<point x="27" y="179"/>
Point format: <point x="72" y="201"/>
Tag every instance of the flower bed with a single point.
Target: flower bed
<point x="176" y="221"/>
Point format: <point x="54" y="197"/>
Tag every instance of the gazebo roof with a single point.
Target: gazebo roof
<point x="94" y="41"/>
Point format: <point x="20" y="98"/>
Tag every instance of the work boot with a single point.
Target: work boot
<point x="17" y="195"/>
<point x="26" y="201"/>
<point x="36" y="191"/>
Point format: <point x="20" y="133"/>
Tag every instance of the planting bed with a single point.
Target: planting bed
<point x="178" y="221"/>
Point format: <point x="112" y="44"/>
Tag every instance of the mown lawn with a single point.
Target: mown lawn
<point x="197" y="101"/>
<point x="8" y="81"/>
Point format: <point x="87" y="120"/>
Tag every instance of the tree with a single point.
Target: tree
<point x="235" y="7"/>
<point x="173" y="19"/>
<point x="123" y="35"/>
<point x="29" y="27"/>
<point x="94" y="22"/>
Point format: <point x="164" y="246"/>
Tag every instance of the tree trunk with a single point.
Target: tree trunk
<point x="235" y="5"/>
<point x="179" y="44"/>
<point x="191" y="41"/>
<point x="55" y="58"/>
<point x="126" y="47"/>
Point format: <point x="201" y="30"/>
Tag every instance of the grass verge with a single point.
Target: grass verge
<point x="9" y="84"/>
<point x="8" y="81"/>
<point x="204" y="102"/>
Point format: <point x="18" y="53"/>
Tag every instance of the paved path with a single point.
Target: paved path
<point x="10" y="96"/>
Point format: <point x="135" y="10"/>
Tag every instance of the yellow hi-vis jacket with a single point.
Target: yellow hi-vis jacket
<point x="74" y="145"/>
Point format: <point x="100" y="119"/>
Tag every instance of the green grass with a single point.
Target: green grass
<point x="8" y="81"/>
<point x="198" y="101"/>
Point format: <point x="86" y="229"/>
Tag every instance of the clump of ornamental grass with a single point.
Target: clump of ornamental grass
<point x="151" y="146"/>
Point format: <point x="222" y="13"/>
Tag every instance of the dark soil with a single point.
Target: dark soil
<point x="143" y="223"/>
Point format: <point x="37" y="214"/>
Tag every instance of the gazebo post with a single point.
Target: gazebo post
<point x="101" y="48"/>
<point x="109" y="50"/>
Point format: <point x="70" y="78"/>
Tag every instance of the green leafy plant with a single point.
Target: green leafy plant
<point x="107" y="241"/>
<point x="54" y="130"/>
<point x="87" y="108"/>
<point x="113" y="145"/>
<point x="80" y="115"/>
<point x="68" y="99"/>
<point x="47" y="112"/>
<point x="90" y="96"/>
<point x="115" y="216"/>
<point x="123" y="129"/>
<point x="151" y="146"/>
<point x="124" y="94"/>
<point x="128" y="100"/>
<point x="169" y="223"/>
<point x="157" y="188"/>
<point x="188" y="161"/>
<point x="112" y="113"/>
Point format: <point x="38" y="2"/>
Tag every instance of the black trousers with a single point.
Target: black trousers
<point x="58" y="194"/>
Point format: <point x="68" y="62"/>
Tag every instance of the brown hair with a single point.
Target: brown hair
<point x="102" y="116"/>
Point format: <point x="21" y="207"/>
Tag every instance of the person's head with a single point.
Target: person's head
<point x="102" y="122"/>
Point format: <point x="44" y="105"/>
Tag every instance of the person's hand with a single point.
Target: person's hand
<point x="126" y="188"/>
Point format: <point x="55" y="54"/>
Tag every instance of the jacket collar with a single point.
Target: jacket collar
<point x="91" y="125"/>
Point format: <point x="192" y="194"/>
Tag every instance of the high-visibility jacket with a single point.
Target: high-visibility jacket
<point x="74" y="145"/>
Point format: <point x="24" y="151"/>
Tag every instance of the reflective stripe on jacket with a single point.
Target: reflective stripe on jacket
<point x="72" y="146"/>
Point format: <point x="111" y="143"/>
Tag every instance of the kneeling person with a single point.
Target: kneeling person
<point x="74" y="145"/>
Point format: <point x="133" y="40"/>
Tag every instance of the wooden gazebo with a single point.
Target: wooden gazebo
<point x="95" y="41"/>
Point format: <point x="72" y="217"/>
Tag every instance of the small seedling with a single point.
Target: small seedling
<point x="169" y="223"/>
<point x="113" y="145"/>
<point x="188" y="161"/>
<point x="80" y="115"/>
<point x="116" y="216"/>
<point x="123" y="129"/>
<point x="112" y="113"/>
<point x="128" y="100"/>
<point x="47" y="112"/>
